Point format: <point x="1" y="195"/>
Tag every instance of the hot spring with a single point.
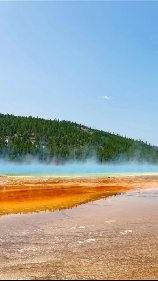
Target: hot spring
<point x="89" y="168"/>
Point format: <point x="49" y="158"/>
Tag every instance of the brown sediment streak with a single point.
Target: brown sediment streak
<point x="24" y="194"/>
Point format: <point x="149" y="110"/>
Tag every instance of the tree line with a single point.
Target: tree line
<point x="60" y="141"/>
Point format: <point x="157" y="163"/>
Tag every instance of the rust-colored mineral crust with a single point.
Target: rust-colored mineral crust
<point x="25" y="194"/>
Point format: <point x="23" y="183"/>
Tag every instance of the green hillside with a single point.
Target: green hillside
<point x="59" y="141"/>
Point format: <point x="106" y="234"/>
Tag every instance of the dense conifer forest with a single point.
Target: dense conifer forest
<point x="59" y="141"/>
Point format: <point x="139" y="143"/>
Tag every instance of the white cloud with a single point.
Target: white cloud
<point x="105" y="97"/>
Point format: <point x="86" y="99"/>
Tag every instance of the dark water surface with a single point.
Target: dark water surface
<point x="112" y="238"/>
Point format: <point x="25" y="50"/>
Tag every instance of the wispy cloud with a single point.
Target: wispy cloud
<point x="105" y="97"/>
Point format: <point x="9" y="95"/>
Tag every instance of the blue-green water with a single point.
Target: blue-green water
<point x="75" y="169"/>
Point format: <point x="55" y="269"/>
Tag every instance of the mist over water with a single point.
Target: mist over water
<point x="75" y="168"/>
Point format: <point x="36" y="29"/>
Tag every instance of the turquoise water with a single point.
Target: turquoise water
<point x="75" y="169"/>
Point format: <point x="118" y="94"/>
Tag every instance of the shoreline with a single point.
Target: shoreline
<point x="27" y="194"/>
<point x="81" y="176"/>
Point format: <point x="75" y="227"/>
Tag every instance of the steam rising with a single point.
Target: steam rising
<point x="90" y="167"/>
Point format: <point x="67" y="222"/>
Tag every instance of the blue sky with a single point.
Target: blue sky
<point x="95" y="63"/>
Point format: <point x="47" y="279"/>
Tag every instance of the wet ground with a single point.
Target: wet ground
<point x="111" y="238"/>
<point x="25" y="194"/>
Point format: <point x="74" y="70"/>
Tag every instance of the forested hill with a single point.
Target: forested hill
<point x="59" y="141"/>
